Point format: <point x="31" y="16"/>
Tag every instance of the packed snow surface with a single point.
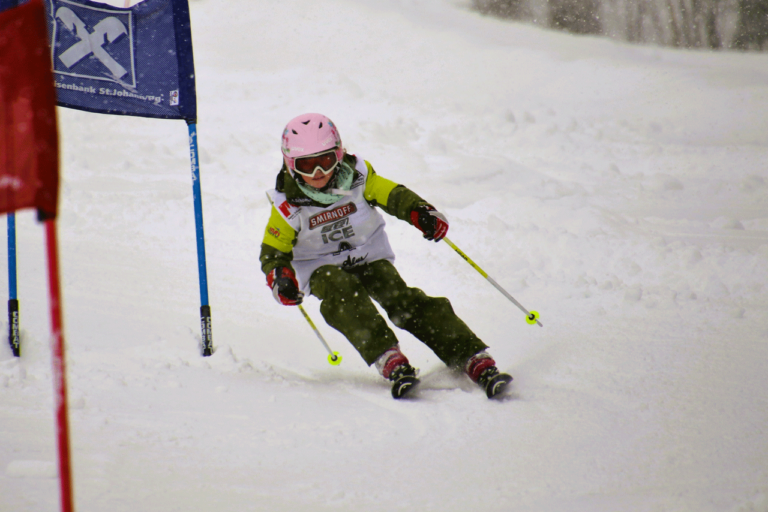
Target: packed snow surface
<point x="621" y="191"/>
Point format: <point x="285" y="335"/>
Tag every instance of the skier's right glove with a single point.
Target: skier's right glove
<point x="284" y="286"/>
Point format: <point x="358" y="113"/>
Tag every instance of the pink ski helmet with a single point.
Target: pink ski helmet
<point x="309" y="134"/>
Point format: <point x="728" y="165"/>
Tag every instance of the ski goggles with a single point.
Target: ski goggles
<point x="308" y="165"/>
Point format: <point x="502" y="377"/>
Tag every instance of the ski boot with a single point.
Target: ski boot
<point x="481" y="368"/>
<point x="393" y="365"/>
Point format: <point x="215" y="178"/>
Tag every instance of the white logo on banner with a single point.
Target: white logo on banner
<point x="108" y="30"/>
<point x="174" y="98"/>
<point x="8" y="181"/>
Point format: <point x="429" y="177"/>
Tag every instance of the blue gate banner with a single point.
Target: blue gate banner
<point x="135" y="62"/>
<point x="10" y="4"/>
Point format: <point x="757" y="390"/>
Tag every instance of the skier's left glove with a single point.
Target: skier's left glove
<point x="284" y="286"/>
<point x="431" y="222"/>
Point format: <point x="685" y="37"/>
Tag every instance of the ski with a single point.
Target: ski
<point x="497" y="384"/>
<point x="404" y="385"/>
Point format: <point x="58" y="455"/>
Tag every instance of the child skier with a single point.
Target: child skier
<point x="325" y="237"/>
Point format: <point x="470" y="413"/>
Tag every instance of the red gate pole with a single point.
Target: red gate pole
<point x="59" y="369"/>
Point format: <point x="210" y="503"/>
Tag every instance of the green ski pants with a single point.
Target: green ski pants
<point x="347" y="307"/>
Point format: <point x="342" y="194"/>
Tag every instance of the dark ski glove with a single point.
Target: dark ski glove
<point x="284" y="286"/>
<point x="431" y="222"/>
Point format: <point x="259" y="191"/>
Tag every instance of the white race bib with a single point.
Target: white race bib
<point x="345" y="234"/>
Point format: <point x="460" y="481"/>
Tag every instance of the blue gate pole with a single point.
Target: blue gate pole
<point x="205" y="308"/>
<point x="13" y="304"/>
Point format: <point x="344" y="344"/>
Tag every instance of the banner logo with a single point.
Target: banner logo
<point x="8" y="181"/>
<point x="93" y="42"/>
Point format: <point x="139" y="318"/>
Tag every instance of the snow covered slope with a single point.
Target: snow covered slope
<point x="620" y="191"/>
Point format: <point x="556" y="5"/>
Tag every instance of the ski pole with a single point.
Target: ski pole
<point x="333" y="357"/>
<point x="532" y="317"/>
